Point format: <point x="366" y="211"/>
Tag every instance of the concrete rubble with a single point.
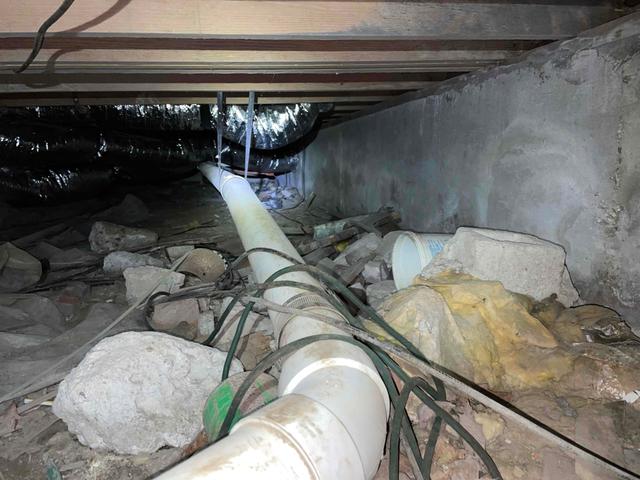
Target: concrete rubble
<point x="375" y="271"/>
<point x="182" y="318"/>
<point x="137" y="392"/>
<point x="522" y="263"/>
<point x="361" y="248"/>
<point x="178" y="251"/>
<point x="118" y="262"/>
<point x="108" y="237"/>
<point x="377" y="293"/>
<point x="142" y="281"/>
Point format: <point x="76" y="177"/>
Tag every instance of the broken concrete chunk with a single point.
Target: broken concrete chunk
<point x="254" y="323"/>
<point x="182" y="315"/>
<point x="139" y="391"/>
<point x="378" y="292"/>
<point x="375" y="271"/>
<point x="522" y="263"/>
<point x="118" y="262"/>
<point x="18" y="269"/>
<point x="361" y="248"/>
<point x="140" y="281"/>
<point x="178" y="251"/>
<point x="108" y="237"/>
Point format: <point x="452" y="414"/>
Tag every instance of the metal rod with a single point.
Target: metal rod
<point x="249" y="132"/>
<point x="219" y="126"/>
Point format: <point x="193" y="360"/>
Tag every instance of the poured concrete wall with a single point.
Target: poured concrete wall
<point x="548" y="146"/>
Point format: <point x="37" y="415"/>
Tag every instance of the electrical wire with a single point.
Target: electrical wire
<point x="40" y="34"/>
<point x="400" y="414"/>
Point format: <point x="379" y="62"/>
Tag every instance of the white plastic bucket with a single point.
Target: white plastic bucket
<point x="412" y="252"/>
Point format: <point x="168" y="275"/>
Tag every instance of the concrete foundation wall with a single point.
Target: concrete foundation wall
<point x="548" y="146"/>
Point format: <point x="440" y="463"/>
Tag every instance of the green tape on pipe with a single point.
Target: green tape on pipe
<point x="263" y="391"/>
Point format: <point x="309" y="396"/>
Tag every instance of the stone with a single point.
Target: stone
<point x="137" y="392"/>
<point x="37" y="309"/>
<point x="522" y="263"/>
<point x="118" y="262"/>
<point x="108" y="237"/>
<point x="254" y="323"/>
<point x="377" y="293"/>
<point x="130" y="211"/>
<point x="178" y="251"/>
<point x="18" y="269"/>
<point x="359" y="249"/>
<point x="139" y="281"/>
<point x="168" y="316"/>
<point x="375" y="271"/>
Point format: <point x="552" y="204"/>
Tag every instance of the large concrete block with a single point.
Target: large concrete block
<point x="139" y="391"/>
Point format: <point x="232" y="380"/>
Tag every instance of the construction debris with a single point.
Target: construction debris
<point x="375" y="271"/>
<point x="140" y="281"/>
<point x="377" y="293"/>
<point x="180" y="318"/>
<point x="139" y="391"/>
<point x="571" y="369"/>
<point x="108" y="237"/>
<point x="117" y="262"/>
<point x="522" y="263"/>
<point x="366" y="245"/>
<point x="178" y="251"/>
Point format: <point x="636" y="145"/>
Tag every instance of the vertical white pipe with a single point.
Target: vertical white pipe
<point x="331" y="421"/>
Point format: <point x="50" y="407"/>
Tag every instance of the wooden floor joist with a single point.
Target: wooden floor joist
<point x="170" y="51"/>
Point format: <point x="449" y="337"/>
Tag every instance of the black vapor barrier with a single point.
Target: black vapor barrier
<point x="51" y="154"/>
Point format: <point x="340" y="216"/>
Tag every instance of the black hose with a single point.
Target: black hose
<point x="39" y="40"/>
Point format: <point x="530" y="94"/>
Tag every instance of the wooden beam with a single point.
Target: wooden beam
<point x="252" y="19"/>
<point x="153" y="89"/>
<point x="228" y="62"/>
<point x="22" y="83"/>
<point x="146" y="99"/>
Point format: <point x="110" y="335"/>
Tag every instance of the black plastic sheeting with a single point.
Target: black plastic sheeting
<point x="52" y="154"/>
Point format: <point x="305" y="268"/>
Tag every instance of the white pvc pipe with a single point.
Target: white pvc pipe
<point x="330" y="422"/>
<point x="412" y="252"/>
